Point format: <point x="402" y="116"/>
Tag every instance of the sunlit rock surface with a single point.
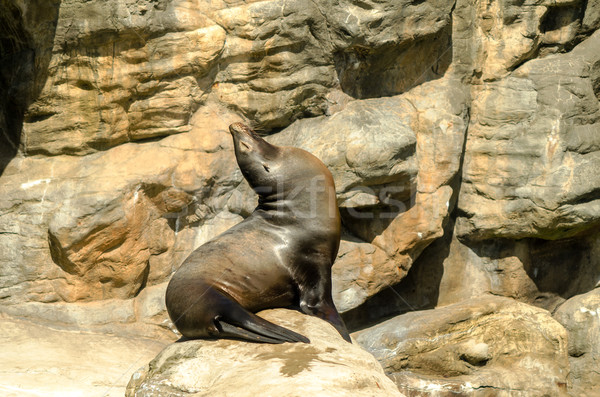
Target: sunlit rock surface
<point x="327" y="367"/>
<point x="38" y="360"/>
<point x="533" y="150"/>
<point x="471" y="348"/>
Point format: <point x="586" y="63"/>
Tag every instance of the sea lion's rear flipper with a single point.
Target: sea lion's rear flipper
<point x="242" y="324"/>
<point x="226" y="329"/>
<point x="216" y="314"/>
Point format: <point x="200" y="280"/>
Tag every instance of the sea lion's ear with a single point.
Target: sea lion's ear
<point x="266" y="167"/>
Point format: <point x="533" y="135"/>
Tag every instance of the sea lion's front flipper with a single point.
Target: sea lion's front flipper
<point x="325" y="309"/>
<point x="334" y="318"/>
<point x="242" y="324"/>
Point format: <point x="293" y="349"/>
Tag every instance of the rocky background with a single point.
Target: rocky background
<point x="464" y="138"/>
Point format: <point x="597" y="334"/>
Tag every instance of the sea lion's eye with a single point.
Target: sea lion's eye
<point x="266" y="167"/>
<point x="245" y="145"/>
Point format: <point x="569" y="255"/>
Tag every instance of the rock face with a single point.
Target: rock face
<point x="127" y="83"/>
<point x="98" y="231"/>
<point x="463" y="137"/>
<point x="543" y="117"/>
<point x="394" y="182"/>
<point x="328" y="366"/>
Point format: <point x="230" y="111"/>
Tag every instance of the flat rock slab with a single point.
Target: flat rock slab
<point x="328" y="366"/>
<point x="36" y="360"/>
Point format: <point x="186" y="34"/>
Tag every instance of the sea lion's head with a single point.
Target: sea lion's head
<point x="277" y="171"/>
<point x="285" y="173"/>
<point x="257" y="158"/>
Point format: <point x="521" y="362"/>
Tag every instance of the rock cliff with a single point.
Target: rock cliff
<point x="463" y="136"/>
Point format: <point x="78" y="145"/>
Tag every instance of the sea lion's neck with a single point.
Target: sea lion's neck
<point x="302" y="203"/>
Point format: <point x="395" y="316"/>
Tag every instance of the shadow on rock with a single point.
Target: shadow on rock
<point x="24" y="59"/>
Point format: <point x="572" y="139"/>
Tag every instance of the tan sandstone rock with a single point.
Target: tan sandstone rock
<point x="473" y="347"/>
<point x="328" y="366"/>
<point x="535" y="271"/>
<point x="532" y="152"/>
<point x="44" y="359"/>
<point x="107" y="224"/>
<point x="119" y="126"/>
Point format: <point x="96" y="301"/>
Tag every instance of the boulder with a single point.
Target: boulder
<point x="328" y="366"/>
<point x="144" y="316"/>
<point x="473" y="347"/>
<point x="580" y="315"/>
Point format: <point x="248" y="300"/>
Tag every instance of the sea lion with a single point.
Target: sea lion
<point x="280" y="256"/>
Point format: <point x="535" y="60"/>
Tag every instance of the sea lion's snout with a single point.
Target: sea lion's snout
<point x="241" y="130"/>
<point x="251" y="150"/>
<point x="243" y="138"/>
<point x="238" y="128"/>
